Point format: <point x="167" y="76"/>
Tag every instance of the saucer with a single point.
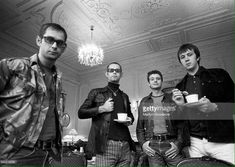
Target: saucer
<point x="193" y="104"/>
<point x="121" y="121"/>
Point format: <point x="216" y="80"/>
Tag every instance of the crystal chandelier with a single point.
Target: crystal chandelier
<point x="90" y="54"/>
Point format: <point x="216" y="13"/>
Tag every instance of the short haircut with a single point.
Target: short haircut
<point x="188" y="46"/>
<point x="54" y="26"/>
<point x="154" y="72"/>
<point x="113" y="63"/>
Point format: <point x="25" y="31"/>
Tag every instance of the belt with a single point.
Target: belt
<point x="115" y="140"/>
<point x="162" y="137"/>
<point x="45" y="145"/>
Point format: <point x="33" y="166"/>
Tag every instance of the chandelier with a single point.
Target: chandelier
<point x="90" y="54"/>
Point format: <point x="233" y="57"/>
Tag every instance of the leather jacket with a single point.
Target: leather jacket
<point x="145" y="124"/>
<point x="218" y="87"/>
<point x="98" y="136"/>
<point x="22" y="107"/>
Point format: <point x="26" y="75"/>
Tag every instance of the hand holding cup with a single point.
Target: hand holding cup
<point x="177" y="96"/>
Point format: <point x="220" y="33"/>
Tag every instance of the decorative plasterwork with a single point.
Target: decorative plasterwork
<point x="110" y="13"/>
<point x="142" y="8"/>
<point x="212" y="4"/>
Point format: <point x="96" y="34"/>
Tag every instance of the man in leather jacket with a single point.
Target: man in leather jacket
<point x="31" y="102"/>
<point x="109" y="139"/>
<point x="209" y="123"/>
<point x="159" y="131"/>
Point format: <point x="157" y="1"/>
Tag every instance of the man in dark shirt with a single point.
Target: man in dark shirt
<point x="109" y="138"/>
<point x="210" y="120"/>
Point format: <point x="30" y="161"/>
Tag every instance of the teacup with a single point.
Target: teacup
<point x="122" y="116"/>
<point x="191" y="98"/>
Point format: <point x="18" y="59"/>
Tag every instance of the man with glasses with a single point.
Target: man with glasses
<point x="109" y="138"/>
<point x="30" y="102"/>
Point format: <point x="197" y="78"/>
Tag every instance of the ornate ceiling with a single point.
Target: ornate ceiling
<point x="125" y="29"/>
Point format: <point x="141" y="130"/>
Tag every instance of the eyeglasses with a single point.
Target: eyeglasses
<point x="51" y="40"/>
<point x="113" y="69"/>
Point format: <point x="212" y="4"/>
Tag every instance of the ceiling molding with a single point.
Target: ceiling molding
<point x="128" y="31"/>
<point x="17" y="44"/>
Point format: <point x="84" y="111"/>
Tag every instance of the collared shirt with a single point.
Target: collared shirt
<point x="193" y="85"/>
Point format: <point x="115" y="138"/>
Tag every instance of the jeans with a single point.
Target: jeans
<point x="117" y="153"/>
<point x="160" y="159"/>
<point x="28" y="157"/>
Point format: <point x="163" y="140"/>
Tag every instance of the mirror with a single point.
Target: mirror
<point x="65" y="120"/>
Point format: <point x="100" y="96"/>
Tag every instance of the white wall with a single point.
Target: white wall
<point x="71" y="89"/>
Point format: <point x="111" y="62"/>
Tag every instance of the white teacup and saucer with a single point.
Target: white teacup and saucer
<point x="122" y="118"/>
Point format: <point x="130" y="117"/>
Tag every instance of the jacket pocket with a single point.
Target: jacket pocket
<point x="99" y="99"/>
<point x="214" y="88"/>
<point x="19" y="96"/>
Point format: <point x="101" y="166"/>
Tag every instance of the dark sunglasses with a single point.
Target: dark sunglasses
<point x="51" y="40"/>
<point x="113" y="69"/>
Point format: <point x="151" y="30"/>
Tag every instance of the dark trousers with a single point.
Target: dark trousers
<point x="160" y="159"/>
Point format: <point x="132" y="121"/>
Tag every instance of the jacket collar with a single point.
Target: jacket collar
<point x="35" y="61"/>
<point x="198" y="73"/>
<point x="200" y="70"/>
<point x="149" y="96"/>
